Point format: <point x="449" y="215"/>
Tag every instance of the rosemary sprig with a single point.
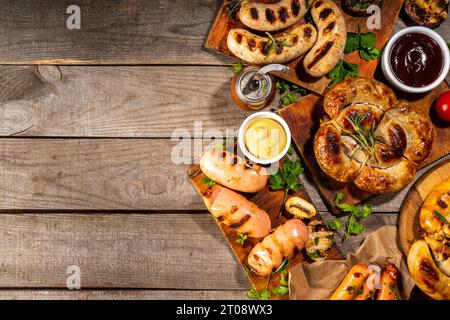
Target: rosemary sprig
<point x="272" y="44"/>
<point x="365" y="137"/>
<point x="233" y="6"/>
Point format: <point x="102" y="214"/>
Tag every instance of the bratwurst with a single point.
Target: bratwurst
<point x="237" y="212"/>
<point x="269" y="254"/>
<point x="264" y="50"/>
<point x="329" y="48"/>
<point x="233" y="172"/>
<point x="272" y="16"/>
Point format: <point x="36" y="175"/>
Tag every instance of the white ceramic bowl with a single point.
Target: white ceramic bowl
<point x="386" y="61"/>
<point x="243" y="129"/>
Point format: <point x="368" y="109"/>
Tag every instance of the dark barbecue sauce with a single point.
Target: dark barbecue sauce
<point x="417" y="59"/>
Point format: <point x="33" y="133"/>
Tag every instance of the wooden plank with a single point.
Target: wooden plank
<point x="112" y="32"/>
<point x="271" y="202"/>
<point x="115" y="101"/>
<point x="158" y="251"/>
<point x="110" y="174"/>
<point x="121" y="295"/>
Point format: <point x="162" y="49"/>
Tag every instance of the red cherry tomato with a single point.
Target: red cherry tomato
<point x="443" y="106"/>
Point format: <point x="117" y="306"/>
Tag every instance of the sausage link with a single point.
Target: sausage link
<point x="352" y="283"/>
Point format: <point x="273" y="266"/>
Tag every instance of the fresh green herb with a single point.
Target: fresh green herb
<point x="283" y="266"/>
<point x="314" y="255"/>
<point x="283" y="278"/>
<point x="291" y="150"/>
<point x="247" y="269"/>
<point x="232" y="6"/>
<point x="286" y="178"/>
<point x="440" y="216"/>
<point x="342" y="71"/>
<point x="365" y="43"/>
<point x="365" y="137"/>
<point x="238" y="67"/>
<point x="209" y="182"/>
<point x="290" y="93"/>
<point x="273" y="44"/>
<point x="353" y="226"/>
<point x="334" y="225"/>
<point x="316" y="241"/>
<point x="280" y="290"/>
<point x="241" y="238"/>
<point x="365" y="4"/>
<point x="261" y="295"/>
<point x="339" y="197"/>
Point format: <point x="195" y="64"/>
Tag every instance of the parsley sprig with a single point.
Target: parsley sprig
<point x="281" y="289"/>
<point x="287" y="178"/>
<point x="342" y="71"/>
<point x="289" y="93"/>
<point x="208" y="181"/>
<point x="241" y="238"/>
<point x="353" y="226"/>
<point x="365" y="43"/>
<point x="238" y="67"/>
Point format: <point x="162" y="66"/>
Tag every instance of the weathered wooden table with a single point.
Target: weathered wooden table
<point x="86" y="176"/>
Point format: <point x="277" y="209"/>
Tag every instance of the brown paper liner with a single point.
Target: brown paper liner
<point x="319" y="280"/>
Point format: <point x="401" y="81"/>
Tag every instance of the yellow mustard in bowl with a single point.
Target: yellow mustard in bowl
<point x="265" y="138"/>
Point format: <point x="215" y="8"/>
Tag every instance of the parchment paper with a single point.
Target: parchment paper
<point x="319" y="280"/>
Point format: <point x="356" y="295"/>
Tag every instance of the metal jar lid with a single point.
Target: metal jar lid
<point x="254" y="85"/>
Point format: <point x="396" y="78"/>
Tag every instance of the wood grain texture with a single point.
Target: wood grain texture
<point x="389" y="13"/>
<point x="304" y="119"/>
<point x="123" y="251"/>
<point x="110" y="174"/>
<point x="116" y="101"/>
<point x="271" y="202"/>
<point x="121" y="295"/>
<point x="112" y="32"/>
<point x="409" y="224"/>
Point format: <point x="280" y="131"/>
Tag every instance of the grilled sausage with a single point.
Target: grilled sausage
<point x="270" y="253"/>
<point x="232" y="171"/>
<point x="352" y="283"/>
<point x="272" y="16"/>
<point x="367" y="292"/>
<point x="261" y="50"/>
<point x="332" y="35"/>
<point x="237" y="212"/>
<point x="389" y="279"/>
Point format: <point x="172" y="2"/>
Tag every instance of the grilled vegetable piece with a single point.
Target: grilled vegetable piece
<point x="300" y="208"/>
<point x="359" y="7"/>
<point x="427" y="13"/>
<point x="233" y="172"/>
<point x="281" y="48"/>
<point x="320" y="240"/>
<point x="272" y="16"/>
<point x="269" y="254"/>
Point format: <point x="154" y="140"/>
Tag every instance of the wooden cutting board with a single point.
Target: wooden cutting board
<point x="270" y="201"/>
<point x="409" y="225"/>
<point x="217" y="40"/>
<point x="304" y="117"/>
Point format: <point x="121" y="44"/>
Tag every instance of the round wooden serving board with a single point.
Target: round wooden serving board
<point x="409" y="226"/>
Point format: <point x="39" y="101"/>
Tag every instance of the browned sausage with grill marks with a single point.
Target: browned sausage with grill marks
<point x="272" y="16"/>
<point x="332" y="35"/>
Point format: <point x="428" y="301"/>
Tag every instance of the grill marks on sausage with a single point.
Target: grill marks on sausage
<point x="254" y="13"/>
<point x="270" y="15"/>
<point x="251" y="43"/>
<point x="332" y="146"/>
<point x="240" y="222"/>
<point x="429" y="273"/>
<point x="238" y="37"/>
<point x="283" y="14"/>
<point x="295" y="6"/>
<point x="441" y="203"/>
<point x="398" y="139"/>
<point x="307" y="33"/>
<point x="321" y="52"/>
<point x="318" y="4"/>
<point x="325" y="13"/>
<point x="329" y="28"/>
